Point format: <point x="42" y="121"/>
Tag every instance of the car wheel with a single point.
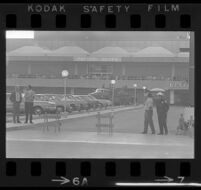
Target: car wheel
<point x="60" y="109"/>
<point x="69" y="111"/>
<point x="38" y="110"/>
<point x="73" y="107"/>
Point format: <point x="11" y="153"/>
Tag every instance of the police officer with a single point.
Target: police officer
<point x="148" y="121"/>
<point x="16" y="99"/>
<point x="162" y="108"/>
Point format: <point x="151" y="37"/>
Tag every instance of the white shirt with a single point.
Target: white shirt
<point x="149" y="103"/>
<point x="17" y="98"/>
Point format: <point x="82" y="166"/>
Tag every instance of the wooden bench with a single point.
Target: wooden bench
<point x="109" y="125"/>
<point x="56" y="123"/>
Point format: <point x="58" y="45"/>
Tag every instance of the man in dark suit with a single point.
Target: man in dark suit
<point x="162" y="108"/>
<point x="16" y="99"/>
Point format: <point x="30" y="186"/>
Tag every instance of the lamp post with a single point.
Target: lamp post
<point x="135" y="88"/>
<point x="64" y="74"/>
<point x="113" y="83"/>
<point x="144" y="88"/>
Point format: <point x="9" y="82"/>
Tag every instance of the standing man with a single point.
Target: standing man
<point x="162" y="108"/>
<point x="148" y="115"/>
<point x="29" y="99"/>
<point x="16" y="99"/>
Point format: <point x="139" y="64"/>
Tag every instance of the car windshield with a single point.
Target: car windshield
<point x="70" y="97"/>
<point x="59" y="97"/>
<point x="39" y="97"/>
<point x="92" y="98"/>
<point x="77" y="98"/>
<point x="85" y="97"/>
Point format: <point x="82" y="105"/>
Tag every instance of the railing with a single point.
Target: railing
<point x="96" y="83"/>
<point x="101" y="77"/>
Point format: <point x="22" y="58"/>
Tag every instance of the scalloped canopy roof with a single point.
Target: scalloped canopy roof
<point x="154" y="52"/>
<point x="69" y="51"/>
<point x="110" y="52"/>
<point x="29" y="51"/>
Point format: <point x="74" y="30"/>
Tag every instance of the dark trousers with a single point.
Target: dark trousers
<point x="16" y="112"/>
<point x="28" y="111"/>
<point x="162" y="122"/>
<point x="148" y="121"/>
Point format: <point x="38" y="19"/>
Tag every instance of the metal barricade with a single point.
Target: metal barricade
<point x="56" y="123"/>
<point x="109" y="124"/>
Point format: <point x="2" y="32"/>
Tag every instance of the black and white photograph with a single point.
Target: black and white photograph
<point x="100" y="94"/>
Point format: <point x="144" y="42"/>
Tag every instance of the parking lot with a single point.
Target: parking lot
<point x="78" y="138"/>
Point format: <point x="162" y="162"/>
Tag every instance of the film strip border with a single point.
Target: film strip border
<point x="87" y="21"/>
<point x="96" y="172"/>
<point x="100" y="172"/>
<point x="109" y="17"/>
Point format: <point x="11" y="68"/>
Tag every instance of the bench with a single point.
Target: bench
<point x="109" y="124"/>
<point x="55" y="123"/>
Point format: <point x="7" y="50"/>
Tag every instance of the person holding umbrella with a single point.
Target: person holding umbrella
<point x="162" y="108"/>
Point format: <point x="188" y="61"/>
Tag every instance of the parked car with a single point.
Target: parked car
<point x="61" y="103"/>
<point x="105" y="103"/>
<point x="122" y="96"/>
<point x="74" y="103"/>
<point x="92" y="103"/>
<point x="102" y="93"/>
<point x="84" y="103"/>
<point x="39" y="107"/>
<point x="98" y="102"/>
<point x="44" y="106"/>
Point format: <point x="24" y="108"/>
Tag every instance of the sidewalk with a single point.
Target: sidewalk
<point x="38" y="122"/>
<point x="39" y="144"/>
<point x="103" y="138"/>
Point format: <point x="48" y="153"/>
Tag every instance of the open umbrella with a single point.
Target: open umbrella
<point x="157" y="90"/>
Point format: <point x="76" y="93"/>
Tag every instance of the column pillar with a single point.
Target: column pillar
<point x="72" y="91"/>
<point x="173" y="70"/>
<point x="171" y="96"/>
<point x="29" y="69"/>
<point x="123" y="70"/>
<point x="76" y="69"/>
<point x="191" y="70"/>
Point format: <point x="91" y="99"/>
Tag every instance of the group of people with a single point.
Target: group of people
<point x="16" y="99"/>
<point x="162" y="108"/>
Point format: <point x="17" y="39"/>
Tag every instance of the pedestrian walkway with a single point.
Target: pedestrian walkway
<point x="38" y="144"/>
<point x="38" y="121"/>
<point x="78" y="138"/>
<point x="104" y="138"/>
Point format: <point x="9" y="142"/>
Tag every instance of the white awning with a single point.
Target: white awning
<point x="110" y="52"/>
<point x="154" y="52"/>
<point x="69" y="51"/>
<point x="157" y="90"/>
<point x="29" y="51"/>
